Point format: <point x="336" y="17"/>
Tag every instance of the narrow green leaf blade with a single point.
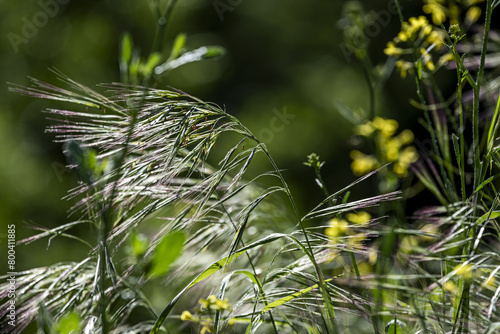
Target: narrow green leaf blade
<point x="488" y="215"/>
<point x="68" y="324"/>
<point x="179" y="43"/>
<point x="286" y="299"/>
<point x="204" y="52"/>
<point x="153" y="60"/>
<point x="139" y="244"/>
<point x="126" y="48"/>
<point x="167" y="251"/>
<point x="395" y="327"/>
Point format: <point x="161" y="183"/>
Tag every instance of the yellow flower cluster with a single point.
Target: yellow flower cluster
<point x="440" y="10"/>
<point x="212" y="303"/>
<point x="468" y="272"/>
<point x="362" y="163"/>
<point x="490" y="283"/>
<point x="465" y="271"/>
<point x="409" y="243"/>
<point x="389" y="148"/>
<point x="339" y="228"/>
<point x="420" y="34"/>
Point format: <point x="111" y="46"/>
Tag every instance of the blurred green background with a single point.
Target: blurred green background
<point x="281" y="56"/>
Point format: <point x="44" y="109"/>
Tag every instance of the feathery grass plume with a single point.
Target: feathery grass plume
<point x="142" y="156"/>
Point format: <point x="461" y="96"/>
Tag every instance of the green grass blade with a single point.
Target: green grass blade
<point x="212" y="269"/>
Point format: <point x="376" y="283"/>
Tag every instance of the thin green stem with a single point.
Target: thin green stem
<point x="398" y="6"/>
<point x="326" y="296"/>
<point x="161" y="27"/>
<point x="371" y="86"/>
<point x="461" y="128"/>
<point x="475" y="106"/>
<point x="250" y="261"/>
<point x="102" y="277"/>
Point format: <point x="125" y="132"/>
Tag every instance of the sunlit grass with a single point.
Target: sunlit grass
<point x="233" y="256"/>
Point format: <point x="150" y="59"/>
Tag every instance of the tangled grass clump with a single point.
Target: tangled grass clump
<point x="230" y="252"/>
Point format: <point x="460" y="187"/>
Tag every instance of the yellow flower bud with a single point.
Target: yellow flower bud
<point x="386" y="126"/>
<point x="403" y="36"/>
<point x="364" y="129"/>
<point x="391" y="149"/>
<point x="362" y="163"/>
<point x="408" y="243"/>
<point x="437" y="11"/>
<point x="186" y="316"/>
<point x="356" y="240"/>
<point x="406" y="137"/>
<point x="360" y="218"/>
<point x="472" y="15"/>
<point x="450" y="287"/>
<point x="490" y="283"/>
<point x="392" y="50"/>
<point x="432" y="232"/>
<point x="403" y="67"/>
<point x="337" y="228"/>
<point x="445" y="59"/>
<point x="465" y="271"/>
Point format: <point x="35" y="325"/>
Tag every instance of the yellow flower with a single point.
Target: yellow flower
<point x="453" y="13"/>
<point x="205" y="303"/>
<point x="427" y="30"/>
<point x="231" y="321"/>
<point x="408" y="243"/>
<point x="372" y="256"/>
<point x="365" y="268"/>
<point x="437" y="11"/>
<point x="360" y="218"/>
<point x="214" y="303"/>
<point x="391" y="149"/>
<point x="205" y="329"/>
<point x="427" y="59"/>
<point x="337" y="228"/>
<point x="450" y="287"/>
<point x="490" y="283"/>
<point x="404" y="67"/>
<point x="186" y="316"/>
<point x="221" y="305"/>
<point x="435" y="37"/>
<point x="465" y="271"/>
<point x="362" y="163"/>
<point x="417" y="23"/>
<point x="392" y="50"/>
<point x="406" y="157"/>
<point x="386" y="126"/>
<point x="432" y="232"/>
<point x="400" y="170"/>
<point x="207" y="326"/>
<point x="403" y="36"/>
<point x="406" y="137"/>
<point x="356" y="240"/>
<point x="445" y="59"/>
<point x="364" y="129"/>
<point x="472" y="15"/>
<point x="410" y="29"/>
